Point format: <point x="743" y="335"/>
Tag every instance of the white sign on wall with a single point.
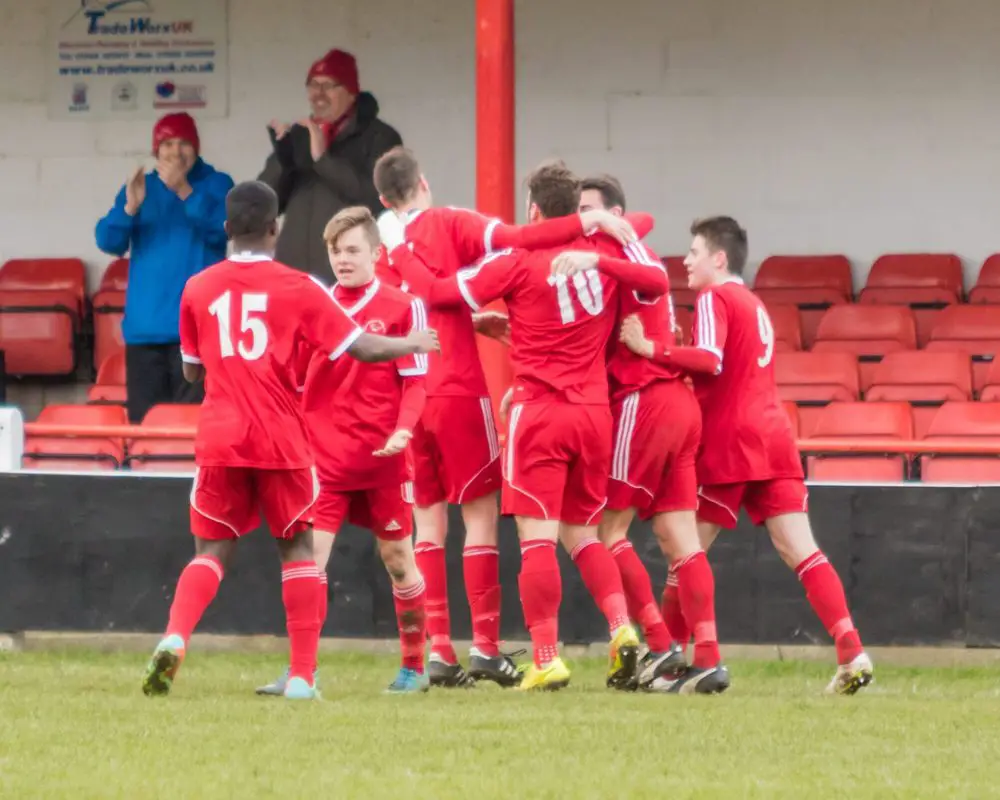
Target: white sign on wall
<point x="137" y="59"/>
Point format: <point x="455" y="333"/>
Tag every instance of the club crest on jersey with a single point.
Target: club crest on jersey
<point x="375" y="326"/>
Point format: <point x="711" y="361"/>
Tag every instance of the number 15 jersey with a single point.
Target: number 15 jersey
<point x="245" y="320"/>
<point x="746" y="433"/>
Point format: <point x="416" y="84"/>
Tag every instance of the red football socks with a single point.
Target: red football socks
<point x="603" y="581"/>
<point x="540" y="585"/>
<point x="639" y="593"/>
<point x="411" y="619"/>
<point x="825" y="593"/>
<point x="481" y="567"/>
<point x="196" y="589"/>
<point x="431" y="563"/>
<point x="324" y="599"/>
<point x="696" y="590"/>
<point x="673" y="617"/>
<point x="300" y="594"/>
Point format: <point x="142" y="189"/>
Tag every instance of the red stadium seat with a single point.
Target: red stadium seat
<point x="989" y="392"/>
<point x="987" y="288"/>
<point x="861" y="421"/>
<point x="817" y="377"/>
<point x="41" y="307"/>
<point x="90" y="452"/>
<point x="173" y="455"/>
<point x="925" y="282"/>
<point x="972" y="329"/>
<point x="914" y="278"/>
<point x="923" y="379"/>
<point x="812" y="380"/>
<point x="965" y="422"/>
<point x="109" y="309"/>
<point x="813" y="283"/>
<point x="115" y="277"/>
<point x="787" y="326"/>
<point x="678" y="276"/>
<point x="110" y="386"/>
<point x="868" y="331"/>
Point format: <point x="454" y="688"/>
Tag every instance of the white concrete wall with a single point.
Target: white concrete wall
<point x="863" y="126"/>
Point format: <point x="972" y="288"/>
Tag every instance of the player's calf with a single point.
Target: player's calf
<point x="409" y="596"/>
<point x="691" y="585"/>
<point x="793" y="538"/>
<point x="663" y="657"/>
<point x="431" y="531"/>
<point x="481" y="570"/>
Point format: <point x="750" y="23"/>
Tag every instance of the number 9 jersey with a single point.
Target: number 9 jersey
<point x="746" y="433"/>
<point x="245" y="320"/>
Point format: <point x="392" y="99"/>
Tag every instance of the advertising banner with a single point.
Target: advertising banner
<point x="137" y="59"/>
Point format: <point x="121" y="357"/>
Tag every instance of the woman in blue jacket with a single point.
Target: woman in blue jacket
<point x="170" y="222"/>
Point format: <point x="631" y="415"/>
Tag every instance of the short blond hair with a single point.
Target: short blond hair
<point x="348" y="219"/>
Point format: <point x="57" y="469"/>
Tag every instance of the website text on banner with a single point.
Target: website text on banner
<point x="136" y="59"/>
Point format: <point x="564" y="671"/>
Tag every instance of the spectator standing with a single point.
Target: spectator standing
<point x="170" y="222"/>
<point x="324" y="163"/>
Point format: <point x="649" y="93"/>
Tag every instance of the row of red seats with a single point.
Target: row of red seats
<point x="43" y="310"/>
<point x="112" y="452"/>
<point x="965" y="423"/>
<point x="898" y="278"/>
<point x="955" y="421"/>
<point x="926" y="282"/>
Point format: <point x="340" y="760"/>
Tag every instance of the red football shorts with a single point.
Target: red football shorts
<point x="386" y="511"/>
<point x="556" y="461"/>
<point x="227" y="502"/>
<point x="657" y="432"/>
<point x="456" y="451"/>
<point x="720" y="504"/>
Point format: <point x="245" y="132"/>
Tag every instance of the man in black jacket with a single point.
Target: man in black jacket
<point x="324" y="163"/>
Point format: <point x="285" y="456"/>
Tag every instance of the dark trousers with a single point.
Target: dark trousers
<point x="153" y="374"/>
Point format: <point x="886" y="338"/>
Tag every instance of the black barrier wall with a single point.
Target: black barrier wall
<point x="921" y="565"/>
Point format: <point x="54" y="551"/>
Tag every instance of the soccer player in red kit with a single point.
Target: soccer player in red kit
<point x="242" y="322"/>
<point x="360" y="419"/>
<point x="562" y="307"/>
<point x="456" y="447"/>
<point x="657" y="432"/>
<point x="748" y="456"/>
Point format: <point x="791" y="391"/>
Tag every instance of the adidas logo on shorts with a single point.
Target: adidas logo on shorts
<point x="393" y="526"/>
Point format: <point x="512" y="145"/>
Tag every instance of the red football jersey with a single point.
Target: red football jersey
<point x="352" y="407"/>
<point x="746" y="434"/>
<point x="446" y="240"/>
<point x="559" y="327"/>
<point x="628" y="372"/>
<point x="245" y="319"/>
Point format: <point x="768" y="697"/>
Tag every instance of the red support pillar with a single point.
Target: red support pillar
<point x="495" y="147"/>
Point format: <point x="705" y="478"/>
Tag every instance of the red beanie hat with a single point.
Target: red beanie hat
<point x="176" y="126"/>
<point x="339" y="66"/>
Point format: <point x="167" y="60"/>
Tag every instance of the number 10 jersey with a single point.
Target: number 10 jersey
<point x="245" y="320"/>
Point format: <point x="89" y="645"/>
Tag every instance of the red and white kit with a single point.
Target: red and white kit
<point x="748" y="455"/>
<point x="558" y="453"/>
<point x="657" y="422"/>
<point x="351" y="410"/>
<point x="456" y="448"/>
<point x="246" y="320"/>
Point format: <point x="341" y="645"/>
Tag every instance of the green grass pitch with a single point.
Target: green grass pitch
<point x="75" y="724"/>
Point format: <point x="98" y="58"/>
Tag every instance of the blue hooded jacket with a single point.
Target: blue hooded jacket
<point x="168" y="241"/>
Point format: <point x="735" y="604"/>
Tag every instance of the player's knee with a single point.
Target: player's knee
<point x="614" y="527"/>
<point x="298" y="547"/>
<point x="677" y="534"/>
<point x="322" y="548"/>
<point x="431" y="523"/>
<point x="220" y="549"/>
<point x="398" y="559"/>
<point x="480" y="519"/>
<point x="792" y="537"/>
